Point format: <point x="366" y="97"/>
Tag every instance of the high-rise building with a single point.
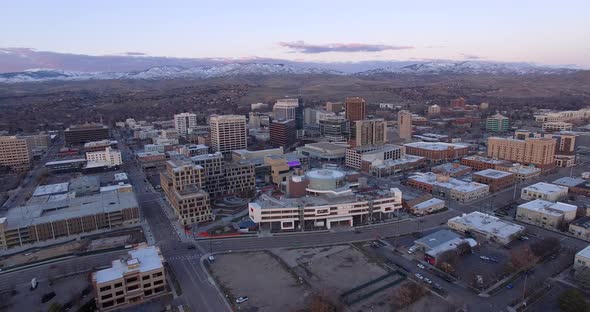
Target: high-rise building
<point x="228" y="133"/>
<point x="14" y="153"/>
<point x="80" y="134"/>
<point x="291" y="108"/>
<point x="334" y="128"/>
<point x="214" y="173"/>
<point x="498" y="123"/>
<point x="566" y="143"/>
<point x="334" y="107"/>
<point x="458" y="103"/>
<point x="433" y="110"/>
<point x="536" y="151"/>
<point x="283" y="133"/>
<point x="182" y="182"/>
<point x="130" y="281"/>
<point x="184" y="122"/>
<point x="356" y="109"/>
<point x="371" y="132"/>
<point x="404" y="125"/>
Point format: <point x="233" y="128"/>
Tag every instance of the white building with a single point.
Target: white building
<point x="582" y="258"/>
<point x="487" y="226"/>
<point x="542" y="190"/>
<point x="109" y="157"/>
<point x="445" y="186"/>
<point x="285" y="109"/>
<point x="228" y="133"/>
<point x="427" y="207"/>
<point x="433" y="110"/>
<point x="546" y="214"/>
<point x="184" y="122"/>
<point x="557" y="126"/>
<point x="522" y="173"/>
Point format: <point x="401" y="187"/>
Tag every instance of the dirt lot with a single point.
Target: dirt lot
<point x="267" y="282"/>
<point x="335" y="270"/>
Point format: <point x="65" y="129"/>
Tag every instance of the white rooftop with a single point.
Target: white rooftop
<point x="493" y="174"/>
<point x="121" y="176"/>
<point x="569" y="182"/>
<point x="459" y="185"/>
<point x="585" y="253"/>
<point x="49" y="189"/>
<point x="524" y="169"/>
<point x="484" y="223"/>
<point x="548" y="207"/>
<point x="435" y="146"/>
<point x="146" y="258"/>
<point x="428" y="203"/>
<point x="546" y="188"/>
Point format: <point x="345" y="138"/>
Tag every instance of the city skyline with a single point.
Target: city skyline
<point x="544" y="33"/>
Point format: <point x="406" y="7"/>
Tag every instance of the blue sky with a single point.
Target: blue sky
<point x="544" y="32"/>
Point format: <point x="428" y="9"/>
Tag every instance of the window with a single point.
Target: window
<point x="120" y="300"/>
<point x="119" y="293"/>
<point x="145" y="277"/>
<point x="131" y="280"/>
<point x="107" y="296"/>
<point x="105" y="288"/>
<point x="157" y="274"/>
<point x="148" y="285"/>
<point x="158" y="282"/>
<point x="118" y="285"/>
<point x="108" y="304"/>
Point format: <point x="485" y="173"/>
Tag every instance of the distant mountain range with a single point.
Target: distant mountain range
<point x="71" y="67"/>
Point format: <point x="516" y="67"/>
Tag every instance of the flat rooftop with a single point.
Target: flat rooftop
<point x="142" y="259"/>
<point x="407" y="159"/>
<point x="451" y="167"/>
<point x="493" y="174"/>
<point x="435" y="146"/>
<point x="524" y="169"/>
<point x="325" y="146"/>
<point x="585" y="253"/>
<point x="486" y="159"/>
<point x="67" y="161"/>
<point x="569" y="182"/>
<point x="546" y="188"/>
<point x="267" y="202"/>
<point x="426" y="204"/>
<point x="485" y="223"/>
<point x="435" y="239"/>
<point x="52" y="211"/>
<point x="430" y="178"/>
<point x="548" y="207"/>
<point x="51" y="189"/>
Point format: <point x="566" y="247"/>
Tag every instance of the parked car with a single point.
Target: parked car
<point x="437" y="286"/>
<point x="241" y="299"/>
<point x="509" y="286"/>
<point x="191" y="247"/>
<point x="523" y="238"/>
<point x="421" y="266"/>
<point x="484" y="258"/>
<point x="211" y="259"/>
<point x="427" y="281"/>
<point x="418" y="276"/>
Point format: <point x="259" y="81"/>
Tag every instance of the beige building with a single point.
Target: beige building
<point x="433" y="110"/>
<point x="557" y="126"/>
<point x="486" y="226"/>
<point x="404" y="125"/>
<point x="67" y="217"/>
<point x="536" y="151"/>
<point x="228" y="133"/>
<point x="546" y="214"/>
<point x="184" y="123"/>
<point x="138" y="277"/>
<point x="581" y="228"/>
<point x="355" y="108"/>
<point x="109" y="157"/>
<point x="182" y="182"/>
<point x="582" y="259"/>
<point x="542" y="190"/>
<point x="371" y="132"/>
<point x="36" y="141"/>
<point x="14" y="153"/>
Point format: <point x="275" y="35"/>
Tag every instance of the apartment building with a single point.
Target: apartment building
<point x="184" y="123"/>
<point x="557" y="126"/>
<point x="355" y="109"/>
<point x="80" y="134"/>
<point x="183" y="183"/>
<point x="67" y="217"/>
<point x="498" y="123"/>
<point x="437" y="151"/>
<point x="15" y="153"/>
<point x="228" y="133"/>
<point x="542" y="190"/>
<point x="536" y="151"/>
<point x="497" y="180"/>
<point x="108" y="157"/>
<point x="283" y="133"/>
<point x="134" y="279"/>
<point x="240" y="178"/>
<point x="370" y="132"/>
<point x="447" y="187"/>
<point x="546" y="214"/>
<point x="404" y="125"/>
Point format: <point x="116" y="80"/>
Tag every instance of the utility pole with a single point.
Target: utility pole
<point x="526" y="275"/>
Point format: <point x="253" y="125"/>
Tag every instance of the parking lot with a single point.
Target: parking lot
<point x="267" y="282"/>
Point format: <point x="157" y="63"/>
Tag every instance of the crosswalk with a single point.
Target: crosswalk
<point x="185" y="257"/>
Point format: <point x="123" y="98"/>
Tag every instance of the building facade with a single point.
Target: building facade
<point x="546" y="214"/>
<point x="371" y="132"/>
<point x="109" y="157"/>
<point x="356" y="109"/>
<point x="228" y="133"/>
<point x="542" y="190"/>
<point x="497" y="180"/>
<point x="184" y="122"/>
<point x="404" y="125"/>
<point x="80" y="134"/>
<point x="437" y="151"/>
<point x="283" y="133"/>
<point x="15" y="153"/>
<point x="536" y="151"/>
<point x="498" y="123"/>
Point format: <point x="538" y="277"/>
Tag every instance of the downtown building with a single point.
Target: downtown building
<point x="283" y="133"/>
<point x="67" y="217"/>
<point x="437" y="151"/>
<point x="370" y="132"/>
<point x="223" y="178"/>
<point x="334" y="128"/>
<point x="90" y="132"/>
<point x="136" y="278"/>
<point x="290" y="108"/>
<point x="355" y="109"/>
<point x="546" y="214"/>
<point x="404" y="125"/>
<point x="537" y="151"/>
<point x="182" y="182"/>
<point x="498" y="123"/>
<point x="184" y="123"/>
<point x="15" y="153"/>
<point x="228" y="133"/>
<point x="447" y="187"/>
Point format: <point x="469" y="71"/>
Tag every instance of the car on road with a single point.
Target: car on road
<point x="418" y="276"/>
<point x="437" y="286"/>
<point x="421" y="266"/>
<point x="427" y="281"/>
<point x="241" y="299"/>
<point x="484" y="258"/>
<point x="509" y="286"/>
<point x="191" y="247"/>
<point x="211" y="258"/>
<point x="523" y="238"/>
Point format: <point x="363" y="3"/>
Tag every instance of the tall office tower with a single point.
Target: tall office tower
<point x="458" y="103"/>
<point x="536" y="151"/>
<point x="433" y="110"/>
<point x="356" y="109"/>
<point x="90" y="132"/>
<point x="282" y="133"/>
<point x="182" y="182"/>
<point x="214" y="165"/>
<point x="15" y="153"/>
<point x="371" y="132"/>
<point x="228" y="133"/>
<point x="498" y="123"/>
<point x="566" y="143"/>
<point x="334" y="128"/>
<point x="404" y="125"/>
<point x="184" y="122"/>
<point x="291" y="108"/>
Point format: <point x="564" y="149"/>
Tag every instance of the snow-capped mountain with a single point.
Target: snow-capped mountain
<point x="267" y="69"/>
<point x="468" y="67"/>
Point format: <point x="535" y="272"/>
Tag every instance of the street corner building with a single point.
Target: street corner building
<point x="323" y="199"/>
<point x="138" y="277"/>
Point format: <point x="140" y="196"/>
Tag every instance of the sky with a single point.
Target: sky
<point x="541" y="32"/>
